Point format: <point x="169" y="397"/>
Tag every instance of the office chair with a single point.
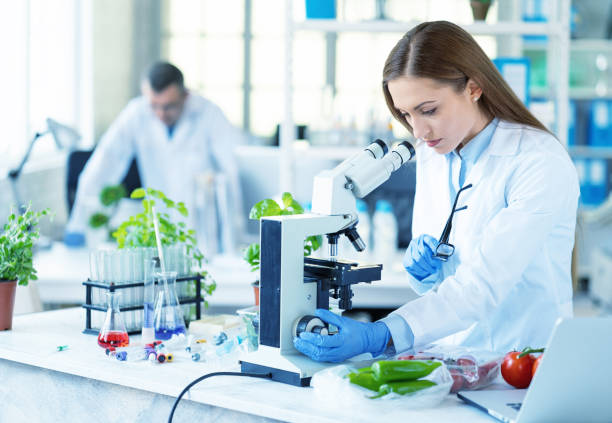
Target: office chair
<point x="76" y="162"/>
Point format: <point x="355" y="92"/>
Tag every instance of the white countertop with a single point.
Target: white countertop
<point x="62" y="270"/>
<point x="34" y="339"/>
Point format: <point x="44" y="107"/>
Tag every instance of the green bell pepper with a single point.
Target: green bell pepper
<point x="403" y="387"/>
<point x="390" y="371"/>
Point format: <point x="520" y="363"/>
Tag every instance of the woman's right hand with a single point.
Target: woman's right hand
<point x="419" y="259"/>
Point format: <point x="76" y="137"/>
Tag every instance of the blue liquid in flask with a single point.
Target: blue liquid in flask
<point x="168" y="318"/>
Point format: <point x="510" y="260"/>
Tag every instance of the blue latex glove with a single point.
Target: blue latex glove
<point x="353" y="338"/>
<point x="419" y="259"/>
<point x="74" y="239"/>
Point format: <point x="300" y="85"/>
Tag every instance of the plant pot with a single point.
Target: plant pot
<point x="7" y="303"/>
<point x="255" y="286"/>
<point x="479" y="10"/>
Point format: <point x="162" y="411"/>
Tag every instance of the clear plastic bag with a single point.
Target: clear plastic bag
<point x="470" y="369"/>
<point x="334" y="383"/>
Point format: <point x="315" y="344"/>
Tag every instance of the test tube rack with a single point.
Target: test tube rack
<point x="132" y="310"/>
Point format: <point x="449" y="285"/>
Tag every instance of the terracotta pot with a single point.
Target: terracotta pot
<point x="479" y="10"/>
<point x="255" y="286"/>
<point x="7" y="303"/>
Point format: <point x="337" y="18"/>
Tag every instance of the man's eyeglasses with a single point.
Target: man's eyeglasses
<point x="168" y="107"/>
<point x="446" y="249"/>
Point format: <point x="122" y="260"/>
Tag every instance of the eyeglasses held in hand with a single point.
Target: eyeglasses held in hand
<point x="445" y="249"/>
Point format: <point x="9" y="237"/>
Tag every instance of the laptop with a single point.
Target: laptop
<point x="573" y="382"/>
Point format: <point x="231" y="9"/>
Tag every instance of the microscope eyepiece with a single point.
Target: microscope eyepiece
<point x="404" y="145"/>
<point x="365" y="178"/>
<point x="378" y="149"/>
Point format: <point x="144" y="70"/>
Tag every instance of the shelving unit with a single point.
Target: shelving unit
<point x="593" y="152"/>
<point x="598" y="46"/>
<point x="480" y="28"/>
<point x="557" y="30"/>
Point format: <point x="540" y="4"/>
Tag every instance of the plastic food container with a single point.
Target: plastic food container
<point x="250" y="317"/>
<point x="470" y="369"/>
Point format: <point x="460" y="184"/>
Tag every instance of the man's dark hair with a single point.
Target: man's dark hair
<point x="163" y="74"/>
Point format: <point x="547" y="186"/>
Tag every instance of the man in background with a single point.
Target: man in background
<point x="176" y="137"/>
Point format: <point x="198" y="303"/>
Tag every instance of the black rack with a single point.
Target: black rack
<point x="112" y="287"/>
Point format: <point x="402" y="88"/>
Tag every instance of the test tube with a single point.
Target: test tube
<point x="148" y="330"/>
<point x="93" y="266"/>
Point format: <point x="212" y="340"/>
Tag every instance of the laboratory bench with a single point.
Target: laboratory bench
<point x="42" y="384"/>
<point x="62" y="270"/>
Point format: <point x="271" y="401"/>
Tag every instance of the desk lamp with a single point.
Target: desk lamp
<point x="65" y="139"/>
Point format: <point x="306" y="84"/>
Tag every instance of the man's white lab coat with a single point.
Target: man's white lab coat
<point x="202" y="140"/>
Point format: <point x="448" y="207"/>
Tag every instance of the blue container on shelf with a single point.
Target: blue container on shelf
<point x="320" y="9"/>
<point x="571" y="124"/>
<point x="598" y="172"/>
<point x="533" y="11"/>
<point x="515" y="71"/>
<point x="600" y="123"/>
<point x="592" y="175"/>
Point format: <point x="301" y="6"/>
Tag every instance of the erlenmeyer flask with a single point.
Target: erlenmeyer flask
<point x="168" y="313"/>
<point x="113" y="333"/>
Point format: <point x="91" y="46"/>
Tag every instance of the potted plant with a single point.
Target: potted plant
<point x="269" y="207"/>
<point x="139" y="231"/>
<point x="480" y="9"/>
<point x="16" y="267"/>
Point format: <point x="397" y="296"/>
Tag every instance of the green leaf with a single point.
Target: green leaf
<point x="287" y="199"/>
<point x="315" y="241"/>
<point x="296" y="207"/>
<point x="138" y="193"/>
<point x="267" y="207"/>
<point x="98" y="220"/>
<point x="251" y="256"/>
<point x="182" y="209"/>
<point x="112" y="194"/>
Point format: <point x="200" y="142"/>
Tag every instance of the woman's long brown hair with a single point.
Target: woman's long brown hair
<point x="446" y="53"/>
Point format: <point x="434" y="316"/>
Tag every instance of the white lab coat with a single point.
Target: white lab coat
<point x="509" y="279"/>
<point x="203" y="140"/>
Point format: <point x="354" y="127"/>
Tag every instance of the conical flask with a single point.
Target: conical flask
<point x="168" y="313"/>
<point x="113" y="333"/>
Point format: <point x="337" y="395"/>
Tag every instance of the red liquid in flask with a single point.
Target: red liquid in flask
<point x="113" y="339"/>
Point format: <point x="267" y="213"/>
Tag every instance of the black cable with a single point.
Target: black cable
<point x="201" y="378"/>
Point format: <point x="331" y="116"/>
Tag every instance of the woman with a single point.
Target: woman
<point x="508" y="279"/>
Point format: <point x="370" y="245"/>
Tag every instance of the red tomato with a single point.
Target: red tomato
<point x="517" y="371"/>
<point x="536" y="363"/>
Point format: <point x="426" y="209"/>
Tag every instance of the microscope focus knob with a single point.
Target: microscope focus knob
<point x="310" y="323"/>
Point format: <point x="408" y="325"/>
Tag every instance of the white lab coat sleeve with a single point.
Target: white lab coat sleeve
<point x="225" y="138"/>
<point x="403" y="338"/>
<point x="107" y="166"/>
<point x="540" y="193"/>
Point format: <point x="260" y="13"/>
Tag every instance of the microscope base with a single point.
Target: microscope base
<point x="292" y="368"/>
<point x="278" y="375"/>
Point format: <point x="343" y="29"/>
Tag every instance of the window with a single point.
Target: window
<point x="205" y="39"/>
<point x="42" y="73"/>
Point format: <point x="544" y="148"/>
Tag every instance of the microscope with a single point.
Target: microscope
<point x="292" y="286"/>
